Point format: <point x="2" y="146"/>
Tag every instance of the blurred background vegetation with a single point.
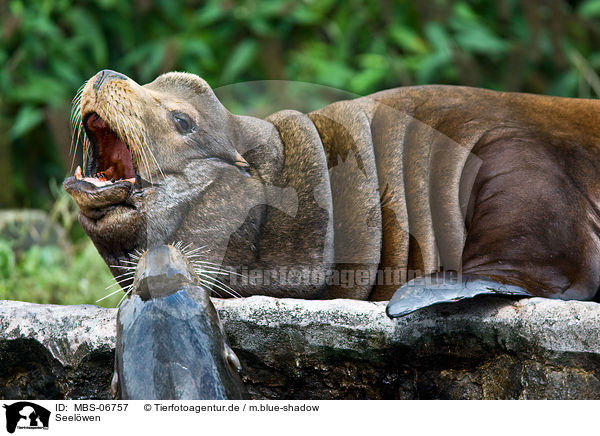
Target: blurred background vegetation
<point x="48" y="48"/>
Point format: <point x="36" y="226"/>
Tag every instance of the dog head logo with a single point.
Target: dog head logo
<point x="26" y="415"/>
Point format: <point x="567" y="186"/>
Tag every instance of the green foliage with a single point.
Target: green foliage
<point x="48" y="275"/>
<point x="590" y="9"/>
<point x="65" y="274"/>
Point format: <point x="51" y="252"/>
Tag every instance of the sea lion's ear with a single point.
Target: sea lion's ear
<point x="240" y="161"/>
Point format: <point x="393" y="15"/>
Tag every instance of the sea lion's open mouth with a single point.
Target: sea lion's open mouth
<point x="110" y="160"/>
<point x="110" y="176"/>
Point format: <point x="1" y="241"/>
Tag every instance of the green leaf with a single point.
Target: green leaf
<point x="156" y="55"/>
<point x="471" y="33"/>
<point x="208" y="14"/>
<point x="86" y="27"/>
<point x="438" y="37"/>
<point x="272" y="8"/>
<point x="408" y="39"/>
<point x="589" y="9"/>
<point x="477" y="39"/>
<point x="239" y="60"/>
<point x="565" y="85"/>
<point x="7" y="259"/>
<point x="432" y="67"/>
<point x="147" y="57"/>
<point x="373" y="61"/>
<point x="311" y="12"/>
<point x="39" y="89"/>
<point x="366" y="81"/>
<point x="63" y="70"/>
<point x="27" y="118"/>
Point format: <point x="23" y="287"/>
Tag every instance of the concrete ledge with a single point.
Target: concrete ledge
<point x="489" y="347"/>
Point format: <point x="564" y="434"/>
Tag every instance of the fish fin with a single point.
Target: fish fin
<point x="445" y="287"/>
<point x="232" y="359"/>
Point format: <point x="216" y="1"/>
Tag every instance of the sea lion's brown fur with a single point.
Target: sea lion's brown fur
<point x="502" y="185"/>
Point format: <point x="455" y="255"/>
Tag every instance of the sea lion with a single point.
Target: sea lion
<point x="170" y="341"/>
<point x="352" y="200"/>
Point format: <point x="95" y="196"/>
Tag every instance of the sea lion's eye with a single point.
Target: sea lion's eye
<point x="183" y="123"/>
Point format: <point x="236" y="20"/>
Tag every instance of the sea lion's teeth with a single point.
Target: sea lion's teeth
<point x="78" y="174"/>
<point x="96" y="181"/>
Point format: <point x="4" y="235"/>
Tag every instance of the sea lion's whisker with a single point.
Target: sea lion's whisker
<point x="136" y="255"/>
<point x="125" y="276"/>
<point x="121" y="300"/>
<point x="156" y="163"/>
<point x="130" y="262"/>
<point x="213" y="292"/>
<point x="112" y="285"/>
<point x="76" y="122"/>
<point x="201" y="264"/>
<point x="125" y="273"/>
<point x="77" y="102"/>
<point x="133" y="137"/>
<point x="219" y="285"/>
<point x="199" y="260"/>
<point x="208" y="264"/>
<point x="213" y="285"/>
<point x="210" y="270"/>
<point x="202" y="261"/>
<point x="86" y="149"/>
<point x="215" y="270"/>
<point x="73" y="147"/>
<point x="192" y="252"/>
<point x="75" y="139"/>
<point x="109" y="295"/>
<point x="187" y="249"/>
<point x="122" y="266"/>
<point x="144" y="162"/>
<point x="122" y="279"/>
<point x="183" y="248"/>
<point x="219" y="273"/>
<point x="125" y="295"/>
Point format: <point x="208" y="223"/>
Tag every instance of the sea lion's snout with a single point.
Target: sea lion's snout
<point x="171" y="344"/>
<point x="161" y="271"/>
<point x="105" y="76"/>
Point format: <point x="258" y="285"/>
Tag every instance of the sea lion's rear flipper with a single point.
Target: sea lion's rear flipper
<point x="447" y="287"/>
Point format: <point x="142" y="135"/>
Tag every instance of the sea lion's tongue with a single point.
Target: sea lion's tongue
<point x="103" y="178"/>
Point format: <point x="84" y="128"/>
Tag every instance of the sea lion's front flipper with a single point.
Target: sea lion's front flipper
<point x="445" y="287"/>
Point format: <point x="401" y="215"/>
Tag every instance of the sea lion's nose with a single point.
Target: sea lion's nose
<point x="106" y="76"/>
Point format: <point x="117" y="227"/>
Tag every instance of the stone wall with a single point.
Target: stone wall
<point x="489" y="347"/>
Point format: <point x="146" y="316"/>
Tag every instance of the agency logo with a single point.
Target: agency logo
<point x="26" y="415"/>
